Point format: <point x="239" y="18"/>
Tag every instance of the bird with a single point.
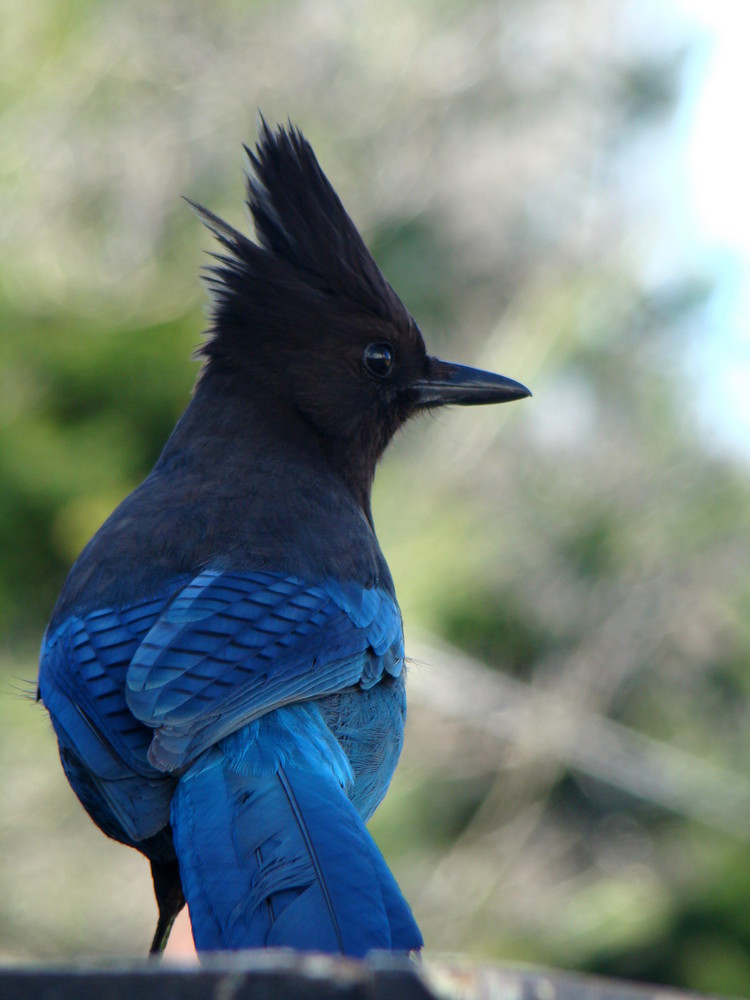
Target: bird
<point x="224" y="666"/>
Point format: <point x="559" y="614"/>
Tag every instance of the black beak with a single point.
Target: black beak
<point x="448" y="384"/>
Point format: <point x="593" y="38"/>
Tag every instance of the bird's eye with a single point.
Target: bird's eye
<point x="378" y="359"/>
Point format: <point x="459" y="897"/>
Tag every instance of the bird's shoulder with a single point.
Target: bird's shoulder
<point x="179" y="522"/>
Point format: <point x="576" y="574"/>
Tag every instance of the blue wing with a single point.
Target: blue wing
<point x="103" y="749"/>
<point x="231" y="647"/>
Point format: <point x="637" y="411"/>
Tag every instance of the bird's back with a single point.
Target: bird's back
<point x="224" y="496"/>
<point x="215" y="501"/>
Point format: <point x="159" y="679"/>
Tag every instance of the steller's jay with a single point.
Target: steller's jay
<point x="224" y="666"/>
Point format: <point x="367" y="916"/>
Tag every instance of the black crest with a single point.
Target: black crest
<point x="308" y="267"/>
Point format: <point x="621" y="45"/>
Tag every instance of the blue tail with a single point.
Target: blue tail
<point x="282" y="859"/>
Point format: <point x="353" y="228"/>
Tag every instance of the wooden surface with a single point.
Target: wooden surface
<point x="282" y="975"/>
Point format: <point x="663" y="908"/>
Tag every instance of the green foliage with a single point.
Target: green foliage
<point x="496" y="628"/>
<point x="87" y="411"/>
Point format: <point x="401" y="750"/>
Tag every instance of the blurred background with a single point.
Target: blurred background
<point x="558" y="190"/>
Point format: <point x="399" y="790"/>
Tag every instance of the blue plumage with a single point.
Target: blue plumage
<point x="224" y="665"/>
<point x="231" y="647"/>
<point x="285" y="856"/>
<point x="237" y="685"/>
<point x="104" y="749"/>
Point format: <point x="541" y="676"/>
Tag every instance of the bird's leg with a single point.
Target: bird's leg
<point x="169" y="899"/>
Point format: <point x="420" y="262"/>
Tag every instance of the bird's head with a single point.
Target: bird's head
<point x="304" y="321"/>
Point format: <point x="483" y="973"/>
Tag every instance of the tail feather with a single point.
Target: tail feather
<point x="283" y="860"/>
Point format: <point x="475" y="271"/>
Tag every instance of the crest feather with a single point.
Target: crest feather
<point x="309" y="259"/>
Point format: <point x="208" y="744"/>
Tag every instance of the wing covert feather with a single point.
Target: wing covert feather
<point x="230" y="647"/>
